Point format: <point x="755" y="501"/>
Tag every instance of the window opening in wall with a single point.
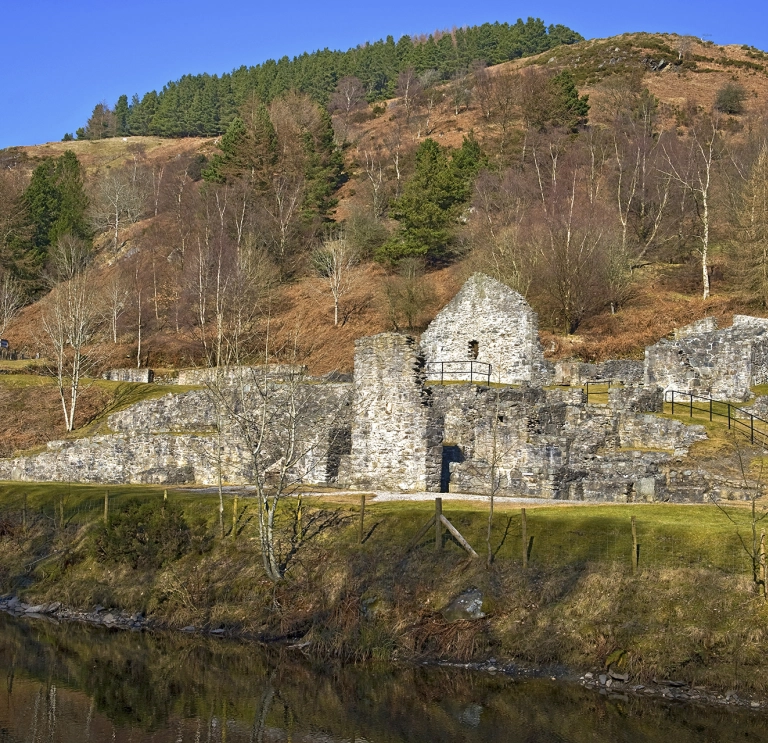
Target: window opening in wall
<point x="474" y="349"/>
<point x="500" y="418"/>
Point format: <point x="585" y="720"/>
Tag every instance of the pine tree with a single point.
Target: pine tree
<point x="245" y="149"/>
<point x="56" y="203"/>
<point x="207" y="104"/>
<point x="431" y="200"/>
<point x="569" y="110"/>
<point x="121" y="116"/>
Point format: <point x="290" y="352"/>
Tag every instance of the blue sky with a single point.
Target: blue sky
<point x="58" y="60"/>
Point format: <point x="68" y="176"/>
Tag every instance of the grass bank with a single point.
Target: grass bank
<point x="689" y="613"/>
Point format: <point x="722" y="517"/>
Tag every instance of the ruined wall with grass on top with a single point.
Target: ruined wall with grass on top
<point x="703" y="360"/>
<point x="175" y="440"/>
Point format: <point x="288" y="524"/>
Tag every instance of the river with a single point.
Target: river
<point x="71" y="683"/>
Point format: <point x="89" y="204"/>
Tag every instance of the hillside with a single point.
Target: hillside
<point x="165" y="255"/>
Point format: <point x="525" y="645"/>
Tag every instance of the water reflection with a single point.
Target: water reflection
<point x="72" y="683"/>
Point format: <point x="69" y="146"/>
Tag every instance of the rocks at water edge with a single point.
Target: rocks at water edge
<point x="54" y="612"/>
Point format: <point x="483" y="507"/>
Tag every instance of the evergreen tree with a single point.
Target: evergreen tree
<point x="431" y="200"/>
<point x="141" y="113"/>
<point x="56" y="203"/>
<point x="121" y="116"/>
<point x="205" y="104"/>
<point x="568" y="110"/>
<point x="245" y="149"/>
<point x="324" y="170"/>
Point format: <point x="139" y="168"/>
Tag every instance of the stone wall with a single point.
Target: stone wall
<point x="552" y="444"/>
<point x="129" y="375"/>
<point x="723" y="364"/>
<point x="174" y="440"/>
<point x="490" y="323"/>
<point x="625" y="371"/>
<point x="396" y="436"/>
<point x="191" y="411"/>
<point x="239" y="374"/>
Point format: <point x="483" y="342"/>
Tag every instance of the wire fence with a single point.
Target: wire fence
<point x="554" y="547"/>
<point x="550" y="540"/>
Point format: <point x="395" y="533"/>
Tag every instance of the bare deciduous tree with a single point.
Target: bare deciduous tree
<point x="751" y="243"/>
<point x="335" y="262"/>
<point x="693" y="169"/>
<point x="11" y="300"/>
<point x="70" y="319"/>
<point x="408" y="90"/>
<point x="67" y="257"/>
<point x="288" y="434"/>
<point x="119" y="199"/>
<point x="114" y="295"/>
<point x="347" y="98"/>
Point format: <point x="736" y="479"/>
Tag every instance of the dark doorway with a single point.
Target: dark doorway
<point x="339" y="444"/>
<point x="450" y="454"/>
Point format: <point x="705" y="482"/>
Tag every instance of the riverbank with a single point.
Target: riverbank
<point x="687" y="621"/>
<point x="614" y="685"/>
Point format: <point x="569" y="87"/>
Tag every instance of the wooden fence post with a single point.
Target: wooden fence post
<point x="438" y="524"/>
<point x="634" y="547"/>
<point x="362" y="518"/>
<point x="106" y="508"/>
<point x="525" y="538"/>
<point x="763" y="572"/>
<point x="24" y="516"/>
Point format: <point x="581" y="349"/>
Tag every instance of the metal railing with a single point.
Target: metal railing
<point x="607" y="383"/>
<point x="738" y="419"/>
<point x="468" y="370"/>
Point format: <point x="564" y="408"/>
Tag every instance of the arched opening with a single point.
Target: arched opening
<point x="474" y="349"/>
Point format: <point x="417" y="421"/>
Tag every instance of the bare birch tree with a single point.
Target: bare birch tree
<point x="288" y="432"/>
<point x="114" y="298"/>
<point x="694" y="171"/>
<point x="11" y="300"/>
<point x="335" y="262"/>
<point x="70" y="319"/>
<point x="119" y="199"/>
<point x="751" y="242"/>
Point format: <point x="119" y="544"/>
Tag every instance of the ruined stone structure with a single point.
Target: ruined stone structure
<point x="175" y="440"/>
<point x="397" y="426"/>
<point x="396" y="432"/>
<point x="489" y="323"/>
<point x="703" y="360"/>
<point x="144" y="376"/>
<point x="239" y="374"/>
<point x="409" y="434"/>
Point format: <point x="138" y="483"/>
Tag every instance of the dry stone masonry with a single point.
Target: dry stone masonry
<point x="489" y="323"/>
<point x="396" y="425"/>
<point x="703" y="360"/>
<point x="396" y="434"/>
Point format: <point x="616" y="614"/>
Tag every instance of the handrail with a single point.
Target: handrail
<point x="478" y="370"/>
<point x="744" y="424"/>
<point x="599" y="382"/>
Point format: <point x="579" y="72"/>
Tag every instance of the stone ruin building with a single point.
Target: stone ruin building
<point x="486" y="326"/>
<point x="421" y="416"/>
<point x="700" y="359"/>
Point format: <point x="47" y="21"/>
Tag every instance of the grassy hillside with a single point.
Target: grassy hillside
<point x="158" y="256"/>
